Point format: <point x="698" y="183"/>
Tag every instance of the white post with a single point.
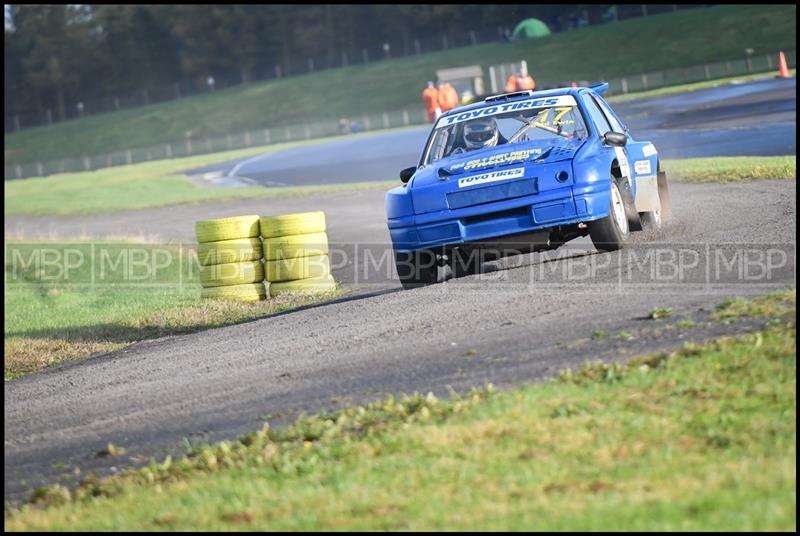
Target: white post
<point x="39" y="169"/>
<point x="473" y="38"/>
<point x="405" y="117"/>
<point x="189" y="146"/>
<point x="307" y="131"/>
<point x="16" y="119"/>
<point x="266" y="136"/>
<point x="624" y="86"/>
<point x="492" y="80"/>
<point x="228" y="138"/>
<point x="366" y="122"/>
<point x="644" y="80"/>
<point x="708" y="74"/>
<point x="86" y="164"/>
<point x="288" y="134"/>
<point x="18" y="169"/>
<point x="129" y="157"/>
<point x="247" y="138"/>
<point x="417" y="48"/>
<point x="385" y="120"/>
<point x="169" y="150"/>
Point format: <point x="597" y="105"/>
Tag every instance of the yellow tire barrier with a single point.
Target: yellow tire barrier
<point x="227" y="228"/>
<point x="226" y="251"/>
<point x="297" y="268"/>
<point x="313" y="284"/>
<point x="289" y="247"/>
<point x="248" y="292"/>
<point x="233" y="273"/>
<point x="292" y="224"/>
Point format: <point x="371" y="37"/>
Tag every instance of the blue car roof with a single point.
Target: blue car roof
<point x="574" y="91"/>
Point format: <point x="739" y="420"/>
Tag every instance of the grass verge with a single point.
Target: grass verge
<point x="150" y="184"/>
<point x="68" y="301"/>
<point x="601" y="52"/>
<point x="731" y="168"/>
<point x="703" y="438"/>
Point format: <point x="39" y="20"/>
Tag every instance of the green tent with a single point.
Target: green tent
<point x="530" y="29"/>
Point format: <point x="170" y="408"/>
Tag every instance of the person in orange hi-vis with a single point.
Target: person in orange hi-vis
<point x="511" y="84"/>
<point x="431" y="98"/>
<point x="525" y="81"/>
<point x="448" y="97"/>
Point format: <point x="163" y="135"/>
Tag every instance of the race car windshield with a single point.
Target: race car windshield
<point x="558" y="118"/>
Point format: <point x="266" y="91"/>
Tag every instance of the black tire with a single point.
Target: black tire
<point x="464" y="263"/>
<point x="612" y="232"/>
<point x="416" y="269"/>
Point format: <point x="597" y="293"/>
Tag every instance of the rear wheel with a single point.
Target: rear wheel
<point x="416" y="269"/>
<point x="611" y="233"/>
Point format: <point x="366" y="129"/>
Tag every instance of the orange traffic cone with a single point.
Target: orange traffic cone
<point x="783" y="70"/>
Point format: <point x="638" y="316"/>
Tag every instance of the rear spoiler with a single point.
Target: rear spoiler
<point x="599" y="88"/>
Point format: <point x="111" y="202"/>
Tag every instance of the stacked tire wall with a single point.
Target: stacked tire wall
<point x="296" y="251"/>
<point x="230" y="255"/>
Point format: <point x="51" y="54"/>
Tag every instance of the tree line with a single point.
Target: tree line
<point x="57" y="55"/>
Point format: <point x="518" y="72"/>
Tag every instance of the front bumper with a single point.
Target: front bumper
<point x="544" y="210"/>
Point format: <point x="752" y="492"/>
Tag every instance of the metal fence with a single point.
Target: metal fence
<point x="193" y="146"/>
<point x="698" y="73"/>
<point x="15" y="120"/>
<point x="368" y="122"/>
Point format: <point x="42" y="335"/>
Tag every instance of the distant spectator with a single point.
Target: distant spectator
<point x="430" y="96"/>
<point x="210" y="83"/>
<point x="521" y="82"/>
<point x="344" y="126"/>
<point x="467" y="97"/>
<point x="505" y="37"/>
<point x="511" y="83"/>
<point x="525" y="81"/>
<point x="610" y="15"/>
<point x="448" y="97"/>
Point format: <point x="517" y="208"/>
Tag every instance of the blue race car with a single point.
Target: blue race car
<point x="522" y="172"/>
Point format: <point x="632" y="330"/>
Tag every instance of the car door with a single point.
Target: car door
<point x="642" y="155"/>
<point x="603" y="124"/>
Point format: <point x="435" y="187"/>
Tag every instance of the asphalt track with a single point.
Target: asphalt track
<point x="522" y="319"/>
<point x="755" y="118"/>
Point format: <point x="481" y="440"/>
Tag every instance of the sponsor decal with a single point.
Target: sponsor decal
<point x="624" y="167"/>
<point x="642" y="167"/>
<point x="493" y="176"/>
<point x="495" y="109"/>
<point x="649" y="150"/>
<point x="497" y="159"/>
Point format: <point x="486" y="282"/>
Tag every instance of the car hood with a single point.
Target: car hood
<point x="493" y="175"/>
<point x="532" y="152"/>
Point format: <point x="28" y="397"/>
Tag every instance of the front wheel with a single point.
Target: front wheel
<point x="611" y="233"/>
<point x="417" y="268"/>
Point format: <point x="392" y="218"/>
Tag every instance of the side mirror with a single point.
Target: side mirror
<point x="615" y="139"/>
<point x="406" y="174"/>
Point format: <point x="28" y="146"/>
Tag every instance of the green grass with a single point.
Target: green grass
<point x="687" y="88"/>
<point x="53" y="313"/>
<point x="150" y="184"/>
<point x="701" y="439"/>
<point x="159" y="183"/>
<point x="731" y="168"/>
<point x="599" y="52"/>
